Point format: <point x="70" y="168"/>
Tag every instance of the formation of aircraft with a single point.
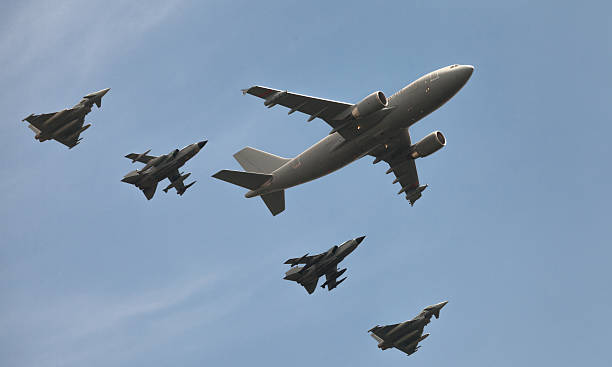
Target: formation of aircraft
<point x="407" y="335"/>
<point x="316" y="266"/>
<point x="376" y="126"/>
<point x="66" y="125"/>
<point x="159" y="168"/>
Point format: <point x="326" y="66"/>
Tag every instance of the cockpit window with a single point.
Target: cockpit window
<point x="454" y="66"/>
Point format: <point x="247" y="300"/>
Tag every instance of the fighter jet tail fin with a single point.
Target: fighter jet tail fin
<point x="248" y="180"/>
<point x="149" y="191"/>
<point x="275" y="201"/>
<point x="254" y="160"/>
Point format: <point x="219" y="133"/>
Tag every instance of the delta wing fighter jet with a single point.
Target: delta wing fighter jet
<point x="407" y="335"/>
<point x="376" y="126"/>
<point x="322" y="264"/>
<point x="164" y="166"/>
<point x="66" y="125"/>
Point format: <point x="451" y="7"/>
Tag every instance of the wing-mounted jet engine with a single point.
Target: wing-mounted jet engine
<point x="428" y="145"/>
<point x="370" y="104"/>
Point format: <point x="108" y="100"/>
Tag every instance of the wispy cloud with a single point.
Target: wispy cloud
<point x="78" y="328"/>
<point x="77" y="35"/>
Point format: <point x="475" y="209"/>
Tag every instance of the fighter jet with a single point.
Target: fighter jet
<point x="66" y="125"/>
<point x="376" y="126"/>
<point x="164" y="166"/>
<point x="316" y="266"/>
<point x="407" y="335"/>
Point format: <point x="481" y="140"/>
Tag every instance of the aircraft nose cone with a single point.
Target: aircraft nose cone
<point x="359" y="239"/>
<point x="202" y="144"/>
<point x="442" y="304"/>
<point x="465" y="71"/>
<point x="103" y="92"/>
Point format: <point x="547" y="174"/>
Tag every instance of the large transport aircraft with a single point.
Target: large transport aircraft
<point x="376" y="126"/>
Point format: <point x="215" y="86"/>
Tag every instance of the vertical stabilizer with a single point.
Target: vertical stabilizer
<point x="254" y="160"/>
<point x="275" y="201"/>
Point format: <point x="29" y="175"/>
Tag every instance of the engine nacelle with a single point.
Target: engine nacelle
<point x="370" y="104"/>
<point x="428" y="145"/>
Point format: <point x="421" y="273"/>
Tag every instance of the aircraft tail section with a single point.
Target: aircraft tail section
<point x="149" y="191"/>
<point x="311" y="286"/>
<point x="254" y="160"/>
<point x="275" y="201"/>
<point x="248" y="180"/>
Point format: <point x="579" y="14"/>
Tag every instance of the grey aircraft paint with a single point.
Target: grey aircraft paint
<point x="159" y="168"/>
<point x="406" y="336"/>
<point x="376" y="126"/>
<point x="66" y="125"/>
<point x="316" y="266"/>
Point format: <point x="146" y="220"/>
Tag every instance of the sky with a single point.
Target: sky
<point x="513" y="230"/>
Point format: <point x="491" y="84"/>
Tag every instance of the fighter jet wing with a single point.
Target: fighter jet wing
<point x="331" y="278"/>
<point x="380" y="332"/>
<point x="69" y="141"/>
<point x="412" y="345"/>
<point x="302" y="260"/>
<point x="175" y="178"/>
<point x="409" y="348"/>
<point x="38" y="120"/>
<point x="332" y="112"/>
<point x="143" y="158"/>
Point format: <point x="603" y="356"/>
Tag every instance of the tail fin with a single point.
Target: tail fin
<point x="248" y="180"/>
<point x="254" y="160"/>
<point x="275" y="201"/>
<point x="149" y="191"/>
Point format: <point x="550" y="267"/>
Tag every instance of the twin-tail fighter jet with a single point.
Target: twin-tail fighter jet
<point x="322" y="264"/>
<point x="376" y="126"/>
<point x="66" y="125"/>
<point x="406" y="335"/>
<point x="159" y="168"/>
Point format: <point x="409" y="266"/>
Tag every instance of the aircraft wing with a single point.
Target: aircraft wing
<point x="332" y="112"/>
<point x="331" y="278"/>
<point x="302" y="260"/>
<point x="406" y="173"/>
<point x="409" y="348"/>
<point x="402" y="165"/>
<point x="380" y="332"/>
<point x="175" y="178"/>
<point x="38" y="120"/>
<point x="412" y="345"/>
<point x="142" y="158"/>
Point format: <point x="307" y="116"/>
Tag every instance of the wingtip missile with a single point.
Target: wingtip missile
<point x="340" y="281"/>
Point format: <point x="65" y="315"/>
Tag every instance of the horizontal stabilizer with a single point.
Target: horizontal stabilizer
<point x="275" y="201"/>
<point x="248" y="180"/>
<point x="254" y="160"/>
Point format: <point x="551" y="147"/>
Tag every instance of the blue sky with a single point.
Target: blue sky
<point x="514" y="229"/>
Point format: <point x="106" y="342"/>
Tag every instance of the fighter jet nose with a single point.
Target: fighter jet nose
<point x="359" y="239"/>
<point x="202" y="144"/>
<point x="103" y="92"/>
<point x="442" y="304"/>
